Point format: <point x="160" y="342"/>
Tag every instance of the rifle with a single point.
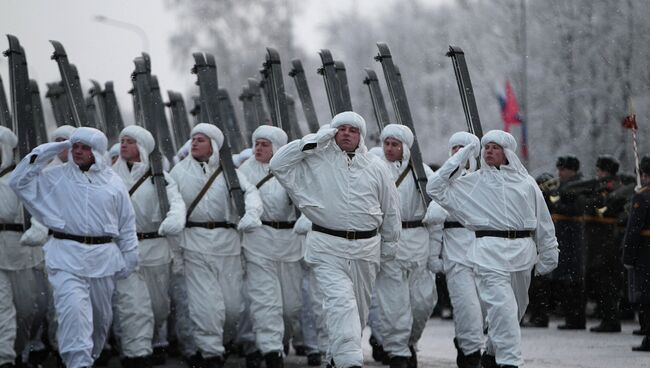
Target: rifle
<point x="467" y="99"/>
<point x="22" y="106"/>
<point x="113" y="117"/>
<point x="276" y="95"/>
<point x="97" y="97"/>
<point x="293" y="116"/>
<point x="71" y="84"/>
<point x="260" y="114"/>
<point x="298" y="75"/>
<point x="37" y="110"/>
<point x="205" y="69"/>
<point x="5" y="115"/>
<point x="246" y="97"/>
<point x="164" y="135"/>
<point x="332" y="86"/>
<point x="227" y="115"/>
<point x="142" y="83"/>
<point x="342" y="77"/>
<point x="403" y="115"/>
<point x="180" y="123"/>
<point x="377" y="99"/>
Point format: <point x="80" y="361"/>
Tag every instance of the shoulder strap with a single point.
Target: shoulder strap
<point x="202" y="192"/>
<point x="139" y="182"/>
<point x="403" y="175"/>
<point x="264" y="180"/>
<point x="7" y="169"/>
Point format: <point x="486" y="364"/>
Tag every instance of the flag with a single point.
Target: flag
<point x="629" y="122"/>
<point x="510" y="115"/>
<point x="509" y="108"/>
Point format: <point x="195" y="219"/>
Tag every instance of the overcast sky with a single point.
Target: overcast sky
<point x="103" y="52"/>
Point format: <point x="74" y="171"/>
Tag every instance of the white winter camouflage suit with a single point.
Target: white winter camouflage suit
<point x="340" y="192"/>
<point x="23" y="299"/>
<point x="273" y="270"/>
<point x="504" y="198"/>
<point x="212" y="257"/>
<point x="92" y="203"/>
<point x="141" y="301"/>
<point x="405" y="291"/>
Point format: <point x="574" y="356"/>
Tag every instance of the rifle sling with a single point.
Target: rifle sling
<point x="202" y="192"/>
<point x="139" y="182"/>
<point x="264" y="180"/>
<point x="7" y="170"/>
<point x="403" y="176"/>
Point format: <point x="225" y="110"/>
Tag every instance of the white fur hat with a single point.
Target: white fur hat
<point x="503" y="139"/>
<point x="216" y="139"/>
<point x="397" y="131"/>
<point x="64" y="131"/>
<point x="8" y="141"/>
<point x="96" y="140"/>
<point x="462" y="139"/>
<point x="275" y="135"/>
<point x="349" y="118"/>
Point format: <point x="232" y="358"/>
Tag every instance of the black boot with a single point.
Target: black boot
<point x="159" y="356"/>
<point x="472" y="360"/>
<point x="638" y="332"/>
<point x="274" y="359"/>
<point x="314" y="359"/>
<point x="195" y="361"/>
<point x="488" y="361"/>
<point x="254" y="360"/>
<point x="213" y="362"/>
<point x="607" y="326"/>
<point x="378" y="353"/>
<point x="645" y="345"/>
<point x="398" y="362"/>
<point x="137" y="362"/>
<point x="573" y="325"/>
<point x="104" y="357"/>
<point x="7" y="365"/>
<point x="300" y="350"/>
<point x="413" y="360"/>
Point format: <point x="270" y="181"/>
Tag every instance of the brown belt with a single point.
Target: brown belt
<point x="645" y="232"/>
<point x="601" y="220"/>
<point x="561" y="217"/>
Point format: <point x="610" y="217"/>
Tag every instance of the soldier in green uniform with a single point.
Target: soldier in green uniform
<point x="636" y="252"/>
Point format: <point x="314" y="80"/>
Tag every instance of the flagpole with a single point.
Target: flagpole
<point x="524" y="83"/>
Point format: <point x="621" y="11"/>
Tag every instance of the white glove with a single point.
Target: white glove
<point x="131" y="263"/>
<point x="47" y="151"/>
<point x="248" y="223"/>
<point x="388" y="251"/>
<point x="311" y="141"/>
<point x="547" y="261"/>
<point x="35" y="236"/>
<point x="302" y="226"/>
<point x="170" y="226"/>
<point x="435" y="265"/>
<point x="435" y="214"/>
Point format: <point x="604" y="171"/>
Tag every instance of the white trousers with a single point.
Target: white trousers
<point x="214" y="294"/>
<point x="158" y="281"/>
<point x="180" y="323"/>
<point x="84" y="314"/>
<point x="505" y="296"/>
<point x="468" y="315"/>
<point x="23" y="305"/>
<point x="133" y="316"/>
<point x="405" y="299"/>
<point x="274" y="288"/>
<point x="346" y="286"/>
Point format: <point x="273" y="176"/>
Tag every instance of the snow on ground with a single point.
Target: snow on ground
<point x="542" y="347"/>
